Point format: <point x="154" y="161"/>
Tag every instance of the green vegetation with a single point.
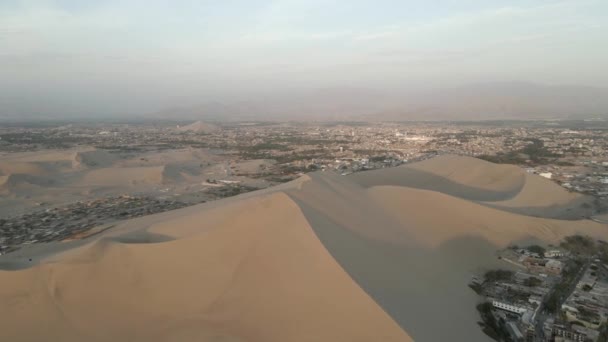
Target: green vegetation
<point x="535" y="152"/>
<point x="588" y="315"/>
<point x="602" y="251"/>
<point x="563" y="288"/>
<point x="603" y="333"/>
<point x="587" y="288"/>
<point x="491" y="327"/>
<point x="264" y="147"/>
<point x="536" y="249"/>
<point x="579" y="245"/>
<point x="231" y="190"/>
<point x="478" y="288"/>
<point x="532" y="282"/>
<point x="498" y="275"/>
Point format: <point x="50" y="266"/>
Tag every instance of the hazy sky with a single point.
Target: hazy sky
<point x="138" y="55"/>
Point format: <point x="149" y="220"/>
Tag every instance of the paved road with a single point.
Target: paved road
<point x="543" y="314"/>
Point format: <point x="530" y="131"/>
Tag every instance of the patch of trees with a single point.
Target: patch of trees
<point x="493" y="328"/>
<point x="532" y="282"/>
<point x="536" y="152"/>
<point x="580" y="245"/>
<point x="536" y="249"/>
<point x="562" y="289"/>
<point x="498" y="275"/>
<point x="478" y="288"/>
<point x="603" y="333"/>
<point x="264" y="147"/>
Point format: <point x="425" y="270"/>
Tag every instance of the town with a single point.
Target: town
<point x="557" y="293"/>
<point x="237" y="157"/>
<point x="69" y="221"/>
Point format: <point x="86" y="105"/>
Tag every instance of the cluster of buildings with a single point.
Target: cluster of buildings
<point x="588" y="303"/>
<point x="61" y="223"/>
<point x="521" y="299"/>
<point x="575" y="154"/>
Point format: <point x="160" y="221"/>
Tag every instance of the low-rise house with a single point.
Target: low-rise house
<point x="554" y="266"/>
<point x="554" y="253"/>
<point x="566" y="333"/>
<point x="509" y="307"/>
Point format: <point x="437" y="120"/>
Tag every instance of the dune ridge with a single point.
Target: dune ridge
<point x="381" y="255"/>
<point x="255" y="279"/>
<point x="92" y="158"/>
<point x="17" y="181"/>
<point x="506" y="187"/>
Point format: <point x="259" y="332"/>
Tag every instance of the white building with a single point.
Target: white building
<point x="554" y="266"/>
<point x="509" y="307"/>
<point x="554" y="253"/>
<point x="547" y="175"/>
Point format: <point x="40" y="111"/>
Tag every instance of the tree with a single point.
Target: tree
<point x="537" y="249"/>
<point x="533" y="282"/>
<point x="496" y="275"/>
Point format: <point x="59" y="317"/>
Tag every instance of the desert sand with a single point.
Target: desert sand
<point x="382" y="255"/>
<point x="44" y="179"/>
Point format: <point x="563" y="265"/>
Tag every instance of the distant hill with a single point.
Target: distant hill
<point x="487" y="101"/>
<point x="200" y="127"/>
<point x="501" y="101"/>
<point x="482" y="101"/>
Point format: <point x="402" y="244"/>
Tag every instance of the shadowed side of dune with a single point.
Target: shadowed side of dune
<point x="543" y="198"/>
<point x="92" y="158"/>
<point x="505" y="187"/>
<point x="415" y="250"/>
<point x="420" y="288"/>
<point x="258" y="273"/>
<point x="142" y="237"/>
<point x="423" y="288"/>
<point x="425" y="178"/>
<point x="128" y="176"/>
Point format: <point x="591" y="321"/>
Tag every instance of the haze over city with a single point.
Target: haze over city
<point x="304" y="170"/>
<point x="121" y="58"/>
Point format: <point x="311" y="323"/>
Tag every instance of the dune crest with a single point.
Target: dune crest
<point x="199" y="127"/>
<point x="382" y="255"/>
<point x="262" y="276"/>
<point x="506" y="187"/>
<point x="92" y="158"/>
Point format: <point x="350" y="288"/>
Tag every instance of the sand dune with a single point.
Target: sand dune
<point x="86" y="173"/>
<point x="93" y="158"/>
<point x="26" y="168"/>
<point x="50" y="156"/>
<point x="199" y="127"/>
<point x="415" y="250"/>
<point x="13" y="182"/>
<point x="248" y="278"/>
<point x="464" y="177"/>
<point x="170" y="157"/>
<point x="379" y="256"/>
<point x="124" y="176"/>
<point x="506" y="187"/>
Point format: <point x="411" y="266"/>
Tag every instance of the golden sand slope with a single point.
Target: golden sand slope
<point x="257" y="274"/>
<point x="92" y="158"/>
<point x="506" y="187"/>
<point x="464" y="177"/>
<point x="414" y="251"/>
<point x="124" y="176"/>
<point x="445" y="218"/>
<point x="366" y="257"/>
<point x="14" y="167"/>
